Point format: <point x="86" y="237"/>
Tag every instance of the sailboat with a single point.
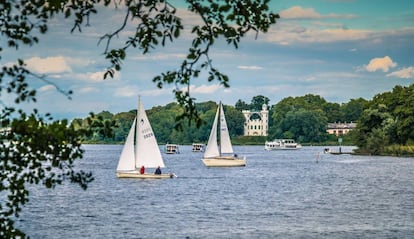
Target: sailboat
<point x="223" y="156"/>
<point x="140" y="149"/>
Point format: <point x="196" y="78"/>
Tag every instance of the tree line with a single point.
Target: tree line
<point x="302" y="118"/>
<point x="385" y="124"/>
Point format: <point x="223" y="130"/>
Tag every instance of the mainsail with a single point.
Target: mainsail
<point x="147" y="151"/>
<point x="225" y="143"/>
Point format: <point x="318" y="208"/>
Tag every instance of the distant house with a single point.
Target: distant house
<point x="339" y="128"/>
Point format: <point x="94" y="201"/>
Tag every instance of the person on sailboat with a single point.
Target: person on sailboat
<point x="142" y="171"/>
<point x="158" y="170"/>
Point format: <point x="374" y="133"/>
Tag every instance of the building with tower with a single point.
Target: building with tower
<point x="256" y="122"/>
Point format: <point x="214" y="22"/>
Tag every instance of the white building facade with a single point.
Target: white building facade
<point x="256" y="122"/>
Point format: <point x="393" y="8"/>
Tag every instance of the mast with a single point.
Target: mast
<point x="136" y="132"/>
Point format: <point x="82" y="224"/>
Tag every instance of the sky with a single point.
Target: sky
<point x="338" y="49"/>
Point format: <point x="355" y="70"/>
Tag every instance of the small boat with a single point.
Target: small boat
<point x="144" y="154"/>
<point x="223" y="156"/>
<point x="172" y="149"/>
<point x="197" y="147"/>
<point x="281" y="144"/>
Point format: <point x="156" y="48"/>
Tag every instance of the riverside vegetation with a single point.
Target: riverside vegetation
<point x="385" y="124"/>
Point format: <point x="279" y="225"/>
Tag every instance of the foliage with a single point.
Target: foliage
<point x="306" y="126"/>
<point x="249" y="140"/>
<point x="387" y="121"/>
<point x="301" y="118"/>
<point x="35" y="152"/>
<point x="255" y="105"/>
<point x="303" y="125"/>
<point x="353" y="109"/>
<point x="163" y="122"/>
<point x="258" y="101"/>
<point x="241" y="105"/>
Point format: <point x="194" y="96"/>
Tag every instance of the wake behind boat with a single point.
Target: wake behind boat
<point x="145" y="153"/>
<point x="222" y="156"/>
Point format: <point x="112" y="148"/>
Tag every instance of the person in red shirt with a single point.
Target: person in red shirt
<point x="142" y="171"/>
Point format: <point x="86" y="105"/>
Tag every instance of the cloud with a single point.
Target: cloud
<point x="297" y="12"/>
<point x="383" y="64"/>
<point x="250" y="67"/>
<point x="46" y="88"/>
<point x="126" y="91"/>
<point x="96" y="77"/>
<point x="286" y="34"/>
<point x="405" y="73"/>
<point x="203" y="89"/>
<point x="48" y="65"/>
<point x="159" y="56"/>
<point x="88" y="90"/>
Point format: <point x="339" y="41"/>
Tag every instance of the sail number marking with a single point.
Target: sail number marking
<point x="147" y="133"/>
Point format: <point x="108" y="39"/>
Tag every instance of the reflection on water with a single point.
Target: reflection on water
<point x="279" y="194"/>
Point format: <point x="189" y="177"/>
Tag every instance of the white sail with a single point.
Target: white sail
<point x="225" y="143"/>
<point x="212" y="156"/>
<point x="148" y="153"/>
<point x="212" y="148"/>
<point x="127" y="159"/>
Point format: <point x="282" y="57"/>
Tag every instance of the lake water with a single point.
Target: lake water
<point x="279" y="194"/>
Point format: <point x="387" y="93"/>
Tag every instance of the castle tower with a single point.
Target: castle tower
<point x="256" y="122"/>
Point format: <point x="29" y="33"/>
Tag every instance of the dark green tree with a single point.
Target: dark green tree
<point x="333" y="112"/>
<point x="388" y="119"/>
<point x="37" y="150"/>
<point x="303" y="125"/>
<point x="241" y="105"/>
<point x="289" y="118"/>
<point x="258" y="101"/>
<point x="353" y="109"/>
<point x="374" y="129"/>
<point x="235" y="121"/>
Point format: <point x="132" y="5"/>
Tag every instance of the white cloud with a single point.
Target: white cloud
<point x="286" y="34"/>
<point x="46" y="88"/>
<point x="405" y="73"/>
<point x="383" y="64"/>
<point x="96" y="77"/>
<point x="82" y="62"/>
<point x="250" y="67"/>
<point x="203" y="89"/>
<point x="297" y="12"/>
<point x="126" y="91"/>
<point x="48" y="65"/>
<point x="158" y="57"/>
<point x="88" y="90"/>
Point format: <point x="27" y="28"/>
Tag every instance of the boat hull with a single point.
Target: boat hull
<point x="282" y="144"/>
<point x="136" y="174"/>
<point x="282" y="148"/>
<point x="224" y="162"/>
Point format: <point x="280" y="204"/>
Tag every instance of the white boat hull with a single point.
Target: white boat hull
<point x="283" y="148"/>
<point x="282" y="144"/>
<point x="224" y="162"/>
<point x="137" y="174"/>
